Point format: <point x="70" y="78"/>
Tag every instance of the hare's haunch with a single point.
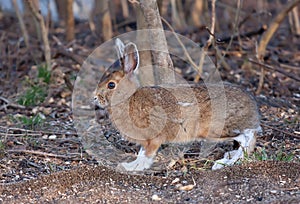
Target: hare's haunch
<point x="154" y="115"/>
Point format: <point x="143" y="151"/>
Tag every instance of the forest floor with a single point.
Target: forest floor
<point x="42" y="158"/>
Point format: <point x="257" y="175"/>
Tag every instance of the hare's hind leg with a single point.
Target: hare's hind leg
<point x="247" y="142"/>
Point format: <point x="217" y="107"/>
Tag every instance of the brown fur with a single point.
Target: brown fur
<point x="154" y="115"/>
<point x="183" y="124"/>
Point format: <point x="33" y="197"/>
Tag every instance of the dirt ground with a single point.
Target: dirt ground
<point x="45" y="161"/>
<point x="255" y="182"/>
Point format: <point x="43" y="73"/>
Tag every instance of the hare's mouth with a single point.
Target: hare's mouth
<point x="100" y="102"/>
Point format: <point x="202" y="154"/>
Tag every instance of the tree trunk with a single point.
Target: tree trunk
<point x="36" y="13"/>
<point x="163" y="65"/>
<point x="146" y="76"/>
<point x="101" y="13"/>
<point x="30" y="21"/>
<point x="197" y="12"/>
<point x="69" y="20"/>
<point x="60" y="6"/>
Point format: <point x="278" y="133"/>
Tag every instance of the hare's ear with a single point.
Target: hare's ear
<point x="131" y="58"/>
<point x="120" y="48"/>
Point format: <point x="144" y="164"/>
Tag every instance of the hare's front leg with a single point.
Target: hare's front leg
<point x="145" y="156"/>
<point x="247" y="142"/>
<point x="142" y="162"/>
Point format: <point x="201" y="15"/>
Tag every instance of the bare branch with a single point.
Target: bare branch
<point x="261" y="49"/>
<point x="209" y="41"/>
<point x="38" y="153"/>
<point x="273" y="27"/>
<point x="292" y="76"/>
<point x="9" y="104"/>
<point x="213" y="22"/>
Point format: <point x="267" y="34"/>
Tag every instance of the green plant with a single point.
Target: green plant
<point x="261" y="156"/>
<point x="44" y="74"/>
<point x="2" y="146"/>
<point x="32" y="121"/>
<point x="278" y="156"/>
<point x="281" y="156"/>
<point x="37" y="89"/>
<point x="33" y="95"/>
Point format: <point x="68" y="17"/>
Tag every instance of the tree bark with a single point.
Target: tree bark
<point x="163" y="65"/>
<point x="101" y="11"/>
<point x="31" y="22"/>
<point x="60" y="6"/>
<point x="69" y="20"/>
<point x="44" y="31"/>
<point x="146" y="72"/>
<point x="22" y="24"/>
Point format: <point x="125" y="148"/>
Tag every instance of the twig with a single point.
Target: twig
<point x="251" y="16"/>
<point x="294" y="21"/>
<point x="222" y="59"/>
<point x="213" y="22"/>
<point x="10" y="104"/>
<point x="68" y="82"/>
<point x="235" y="29"/>
<point x="20" y="134"/>
<point x="74" y="57"/>
<point x="244" y="35"/>
<point x="292" y="76"/>
<point x="134" y="1"/>
<point x="273" y="27"/>
<point x="181" y="44"/>
<point x="261" y="49"/>
<point x="38" y="133"/>
<point x="44" y="154"/>
<point x="289" y="67"/>
<point x="285" y="132"/>
<point x="211" y="40"/>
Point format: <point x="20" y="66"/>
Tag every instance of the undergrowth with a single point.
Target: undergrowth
<point x="36" y="91"/>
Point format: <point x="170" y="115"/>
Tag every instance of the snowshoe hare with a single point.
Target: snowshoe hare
<point x="154" y="115"/>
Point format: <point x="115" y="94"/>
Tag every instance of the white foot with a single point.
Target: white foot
<point x="229" y="159"/>
<point x="142" y="162"/>
<point x="247" y="142"/>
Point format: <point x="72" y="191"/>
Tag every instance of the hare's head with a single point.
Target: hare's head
<point x="124" y="78"/>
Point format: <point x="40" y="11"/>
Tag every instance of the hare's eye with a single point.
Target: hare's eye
<point x="111" y="85"/>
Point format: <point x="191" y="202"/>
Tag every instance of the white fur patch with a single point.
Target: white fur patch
<point x="142" y="162"/>
<point x="247" y="141"/>
<point x="185" y="104"/>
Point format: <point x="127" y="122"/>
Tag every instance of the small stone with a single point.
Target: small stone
<point x="156" y="197"/>
<point x="171" y="163"/>
<point x="65" y="94"/>
<point x="175" y="180"/>
<point x="35" y="110"/>
<point x="186" y="188"/>
<point x="47" y="111"/>
<point x="52" y="137"/>
<point x="42" y="116"/>
<point x="273" y="191"/>
<point x="51" y="100"/>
